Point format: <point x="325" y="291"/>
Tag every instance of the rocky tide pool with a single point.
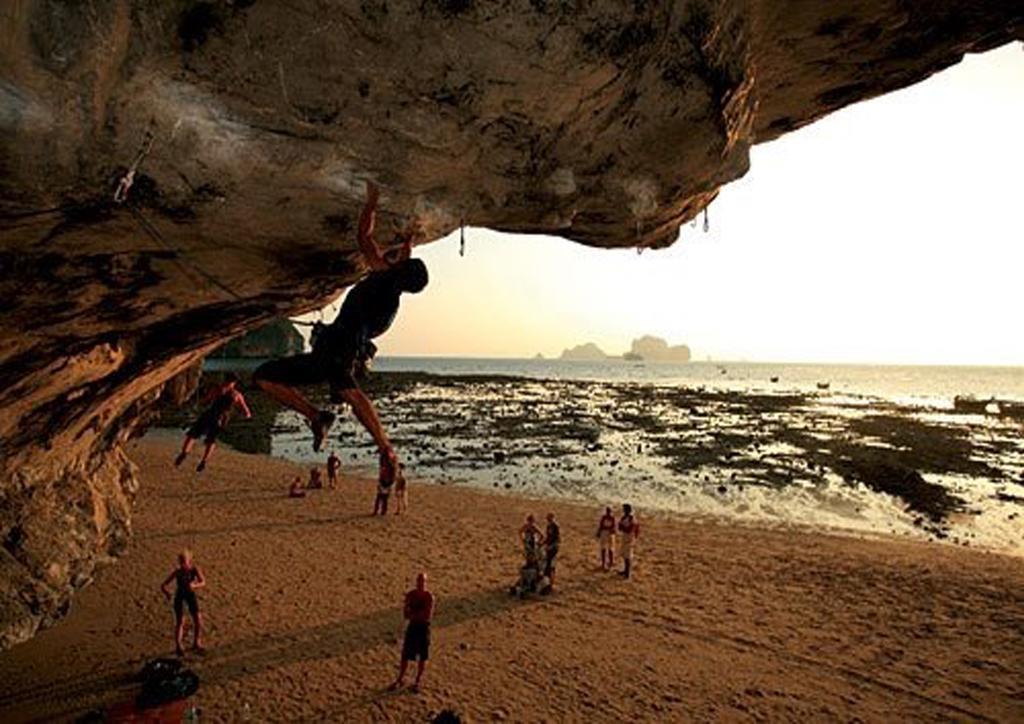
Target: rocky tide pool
<point x="825" y="459"/>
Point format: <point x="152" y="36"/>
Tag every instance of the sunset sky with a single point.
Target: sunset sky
<point x="891" y="231"/>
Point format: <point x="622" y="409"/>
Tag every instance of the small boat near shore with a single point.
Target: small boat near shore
<point x="824" y="385"/>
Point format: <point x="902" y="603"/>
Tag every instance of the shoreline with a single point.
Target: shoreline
<point x="720" y="620"/>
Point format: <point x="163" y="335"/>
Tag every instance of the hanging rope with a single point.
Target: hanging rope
<point x="125" y="184"/>
<point x="180" y="259"/>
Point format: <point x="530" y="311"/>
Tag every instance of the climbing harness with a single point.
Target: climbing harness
<point x="125" y="184"/>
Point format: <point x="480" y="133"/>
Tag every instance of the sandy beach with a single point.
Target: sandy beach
<point x="721" y="622"/>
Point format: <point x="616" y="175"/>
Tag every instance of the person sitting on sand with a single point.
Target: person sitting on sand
<point x="386" y="474"/>
<point x="209" y="425"/>
<point x="418" y="611"/>
<point x="552" y="539"/>
<point x="316" y="481"/>
<point x="532" y="539"/>
<point x="401" y="491"/>
<point x="629" y="528"/>
<point x="188" y="579"/>
<point x="295" y="490"/>
<point x="606" y="539"/>
<point x="342" y="347"/>
<point x="333" y="465"/>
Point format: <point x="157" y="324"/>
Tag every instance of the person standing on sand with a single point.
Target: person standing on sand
<point x="212" y="422"/>
<point x="629" y="528"/>
<point x="552" y="539"/>
<point x="333" y="465"/>
<point x="532" y="539"/>
<point x="418" y="611"/>
<point x="606" y="539"/>
<point x="188" y="579"/>
<point x="386" y="475"/>
<point x="345" y="346"/>
<point x="401" y="492"/>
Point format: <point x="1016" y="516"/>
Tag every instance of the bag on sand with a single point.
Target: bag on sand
<point x="178" y="686"/>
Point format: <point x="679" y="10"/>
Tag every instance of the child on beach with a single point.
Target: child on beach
<point x="333" y="465"/>
<point x="316" y="481"/>
<point x="295" y="490"/>
<point x="630" y="530"/>
<point x="214" y="419"/>
<point x="385" y="479"/>
<point x="188" y="579"/>
<point x="606" y="539"/>
<point x="401" y="491"/>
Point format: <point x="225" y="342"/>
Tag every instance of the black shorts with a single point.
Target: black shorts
<point x="335" y="367"/>
<point x="549" y="561"/>
<point x="417" y="642"/>
<point x="207" y="426"/>
<point x="186" y="598"/>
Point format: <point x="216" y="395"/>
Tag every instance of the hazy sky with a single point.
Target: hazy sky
<point x="891" y="231"/>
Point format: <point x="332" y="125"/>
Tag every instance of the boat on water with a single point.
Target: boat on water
<point x="824" y="385"/>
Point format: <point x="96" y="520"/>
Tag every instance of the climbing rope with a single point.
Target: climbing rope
<point x="180" y="258"/>
<point x="125" y="184"/>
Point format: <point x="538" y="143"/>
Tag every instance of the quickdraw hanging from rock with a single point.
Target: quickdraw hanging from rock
<point x="707" y="226"/>
<point x="462" y="237"/>
<point x="639" y="246"/>
<point x="125" y="184"/>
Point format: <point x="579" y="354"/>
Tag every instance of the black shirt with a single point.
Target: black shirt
<point x="371" y="306"/>
<point x="553" y="536"/>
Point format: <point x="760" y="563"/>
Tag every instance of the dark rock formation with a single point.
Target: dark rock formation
<point x="255" y="125"/>
<point x="279" y="338"/>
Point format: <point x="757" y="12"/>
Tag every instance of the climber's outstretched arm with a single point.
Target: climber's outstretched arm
<point x="371" y="252"/>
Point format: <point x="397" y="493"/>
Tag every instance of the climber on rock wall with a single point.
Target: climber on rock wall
<point x="343" y="348"/>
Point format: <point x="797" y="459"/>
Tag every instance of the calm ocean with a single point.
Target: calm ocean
<point x="925" y="384"/>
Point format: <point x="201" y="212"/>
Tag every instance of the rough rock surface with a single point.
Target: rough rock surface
<point x="610" y="123"/>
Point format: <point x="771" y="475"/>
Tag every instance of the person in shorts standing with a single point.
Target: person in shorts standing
<point x="629" y="531"/>
<point x="552" y="540"/>
<point x="418" y="611"/>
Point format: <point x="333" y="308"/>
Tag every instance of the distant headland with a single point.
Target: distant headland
<point x="647" y="348"/>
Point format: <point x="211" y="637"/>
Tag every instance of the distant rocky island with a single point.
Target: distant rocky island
<point x="647" y="348"/>
<point x="588" y="352"/>
<point x="278" y="338"/>
<point x="656" y="349"/>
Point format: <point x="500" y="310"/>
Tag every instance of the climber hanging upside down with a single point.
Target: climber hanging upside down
<point x="344" y="347"/>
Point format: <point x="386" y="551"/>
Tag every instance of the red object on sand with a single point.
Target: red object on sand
<point x="127" y="713"/>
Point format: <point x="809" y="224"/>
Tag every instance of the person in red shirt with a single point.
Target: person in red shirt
<point x="333" y="465"/>
<point x="606" y="537"/>
<point x="214" y="419"/>
<point x="418" y="611"/>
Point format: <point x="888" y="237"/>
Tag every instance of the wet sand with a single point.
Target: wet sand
<point x="720" y="622"/>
